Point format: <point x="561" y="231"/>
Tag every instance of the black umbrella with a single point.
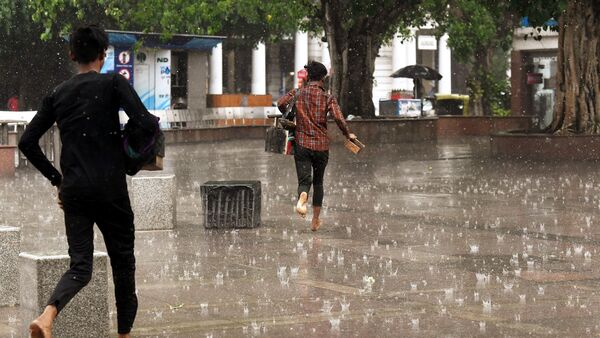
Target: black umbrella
<point x="417" y="72"/>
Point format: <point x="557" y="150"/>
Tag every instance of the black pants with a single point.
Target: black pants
<point x="115" y="221"/>
<point x="310" y="168"/>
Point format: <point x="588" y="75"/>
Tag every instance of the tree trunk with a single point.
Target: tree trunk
<point x="475" y="86"/>
<point x="479" y="83"/>
<point x="577" y="105"/>
<point x="353" y="56"/>
<point x="337" y="45"/>
<point x="353" y="66"/>
<point x="354" y="41"/>
<point x="488" y="81"/>
<point x="356" y="95"/>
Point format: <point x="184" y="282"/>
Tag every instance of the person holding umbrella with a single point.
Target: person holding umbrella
<point x="418" y="73"/>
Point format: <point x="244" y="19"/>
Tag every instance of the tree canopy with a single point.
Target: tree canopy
<point x="355" y="30"/>
<point x="480" y="34"/>
<point x="249" y="20"/>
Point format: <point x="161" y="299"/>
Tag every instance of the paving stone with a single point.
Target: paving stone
<point x="548" y="276"/>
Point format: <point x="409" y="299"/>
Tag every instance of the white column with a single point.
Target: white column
<point x="215" y="86"/>
<point x="325" y="57"/>
<point x="259" y="70"/>
<point x="399" y="56"/>
<point x="301" y="53"/>
<point x="411" y="49"/>
<point x="445" y="66"/>
<point x="404" y="53"/>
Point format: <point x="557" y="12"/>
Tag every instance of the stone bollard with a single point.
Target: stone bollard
<point x="87" y="313"/>
<point x="10" y="246"/>
<point x="231" y="204"/>
<point x="153" y="202"/>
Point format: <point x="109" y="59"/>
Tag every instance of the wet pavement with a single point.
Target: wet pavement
<point x="431" y="239"/>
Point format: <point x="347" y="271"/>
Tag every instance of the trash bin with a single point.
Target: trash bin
<point x="452" y="104"/>
<point x="231" y="204"/>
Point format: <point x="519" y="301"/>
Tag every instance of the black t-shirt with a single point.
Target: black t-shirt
<point x="86" y="110"/>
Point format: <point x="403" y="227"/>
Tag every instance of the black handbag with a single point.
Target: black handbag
<point x="280" y="138"/>
<point x="276" y="140"/>
<point x="287" y="121"/>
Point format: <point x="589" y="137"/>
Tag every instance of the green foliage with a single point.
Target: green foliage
<point x="250" y="20"/>
<point x="473" y="25"/>
<point x="500" y="111"/>
<point x="499" y="92"/>
<point x="538" y="11"/>
<point x="480" y="33"/>
<point x="59" y="17"/>
<point x="8" y="13"/>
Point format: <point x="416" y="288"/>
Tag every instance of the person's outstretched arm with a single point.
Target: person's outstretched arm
<point x="30" y="141"/>
<point x="285" y="100"/>
<point x="336" y="112"/>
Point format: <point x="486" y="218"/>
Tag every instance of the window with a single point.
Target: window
<point x="179" y="90"/>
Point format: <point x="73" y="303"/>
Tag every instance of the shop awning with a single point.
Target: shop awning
<point x="155" y="40"/>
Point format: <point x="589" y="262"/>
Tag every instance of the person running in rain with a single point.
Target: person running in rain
<point x="311" y="152"/>
<point x="93" y="188"/>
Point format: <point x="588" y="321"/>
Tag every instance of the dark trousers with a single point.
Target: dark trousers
<point x="310" y="168"/>
<point x="115" y="221"/>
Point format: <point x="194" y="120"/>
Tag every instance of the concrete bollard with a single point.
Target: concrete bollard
<point x="10" y="246"/>
<point x="153" y="202"/>
<point x="87" y="313"/>
<point x="231" y="204"/>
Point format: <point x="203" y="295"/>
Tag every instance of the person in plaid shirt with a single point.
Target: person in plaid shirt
<point x="311" y="152"/>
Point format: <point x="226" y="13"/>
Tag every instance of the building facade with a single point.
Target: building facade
<point x="170" y="76"/>
<point x="190" y="80"/>
<point x="533" y="73"/>
<point x="271" y="69"/>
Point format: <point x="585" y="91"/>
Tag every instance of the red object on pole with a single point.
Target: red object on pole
<point x="302" y="76"/>
<point x="13" y="103"/>
<point x="535" y="78"/>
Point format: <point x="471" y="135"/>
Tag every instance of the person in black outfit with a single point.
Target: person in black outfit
<point x="93" y="187"/>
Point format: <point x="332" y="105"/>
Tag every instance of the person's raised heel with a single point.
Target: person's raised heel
<point x="301" y="208"/>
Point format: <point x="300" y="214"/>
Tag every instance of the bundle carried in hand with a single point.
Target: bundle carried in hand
<point x="355" y="146"/>
<point x="143" y="144"/>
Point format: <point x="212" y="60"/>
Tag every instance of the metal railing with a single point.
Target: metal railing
<point x="13" y="124"/>
<point x="11" y="132"/>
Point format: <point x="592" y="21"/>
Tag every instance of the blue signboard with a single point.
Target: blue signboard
<point x="124" y="63"/>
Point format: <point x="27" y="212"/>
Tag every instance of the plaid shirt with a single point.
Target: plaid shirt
<point x="312" y="107"/>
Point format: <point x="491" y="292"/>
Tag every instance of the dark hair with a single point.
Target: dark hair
<point x="316" y="71"/>
<point x="88" y="43"/>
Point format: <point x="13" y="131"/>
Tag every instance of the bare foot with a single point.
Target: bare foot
<point x="39" y="330"/>
<point x="315" y="225"/>
<point x="125" y="335"/>
<point x="41" y="327"/>
<point x="301" y="205"/>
